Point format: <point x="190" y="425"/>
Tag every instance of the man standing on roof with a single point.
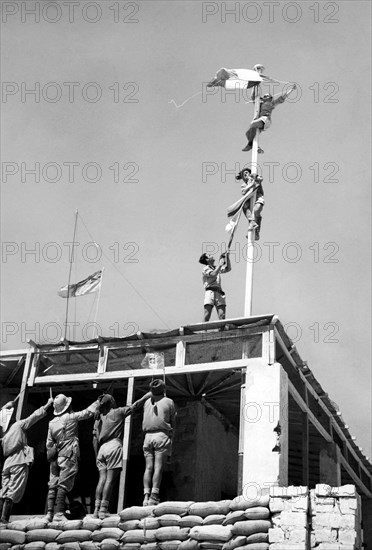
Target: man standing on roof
<point x="158" y="424"/>
<point x="18" y="458"/>
<point x="63" y="452"/>
<point x="108" y="445"/>
<point x="263" y="121"/>
<point x="253" y="214"/>
<point x="214" y="295"/>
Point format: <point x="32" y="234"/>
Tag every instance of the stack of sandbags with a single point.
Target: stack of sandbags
<point x="336" y="518"/>
<point x="289" y="509"/>
<point x="222" y="525"/>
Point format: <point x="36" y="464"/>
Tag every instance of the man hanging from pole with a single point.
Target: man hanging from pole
<point x="214" y="295"/>
<point x="252" y="212"/>
<point x="108" y="445"/>
<point x="263" y="120"/>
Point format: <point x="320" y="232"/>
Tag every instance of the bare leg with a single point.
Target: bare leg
<point x="207" y="312"/>
<point x="101" y="484"/>
<point x="221" y="310"/>
<point x="112" y="476"/>
<point x="147" y="476"/>
<point x="251" y="132"/>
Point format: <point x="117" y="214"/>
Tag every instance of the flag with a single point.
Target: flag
<point x="89" y="285"/>
<point x="153" y="360"/>
<point x="237" y="79"/>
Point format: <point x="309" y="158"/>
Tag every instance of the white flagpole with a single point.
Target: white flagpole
<point x="251" y="232"/>
<point x="98" y="299"/>
<point x="69" y="273"/>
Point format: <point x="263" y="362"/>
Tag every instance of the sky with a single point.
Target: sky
<point x="152" y="178"/>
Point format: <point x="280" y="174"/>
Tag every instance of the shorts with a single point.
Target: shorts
<point x="266" y="120"/>
<point x="212" y="298"/>
<point x="157" y="443"/>
<point x="110" y="455"/>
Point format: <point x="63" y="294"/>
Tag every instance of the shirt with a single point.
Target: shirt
<point x="209" y="279"/>
<point x="268" y="106"/>
<point x="111" y="425"/>
<point x="63" y="431"/>
<point x="159" y="414"/>
<point x="15" y="448"/>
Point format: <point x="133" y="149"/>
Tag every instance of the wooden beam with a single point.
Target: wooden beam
<point x="126" y="446"/>
<point x="305" y="449"/>
<point x="180" y="353"/>
<point x="178" y="386"/>
<point x="102" y="360"/>
<point x="23" y="390"/>
<point x="144" y="373"/>
<point x="15" y="371"/>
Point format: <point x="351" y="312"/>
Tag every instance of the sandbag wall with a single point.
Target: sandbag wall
<point x="223" y="525"/>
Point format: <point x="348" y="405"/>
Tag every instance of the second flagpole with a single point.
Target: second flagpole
<point x="69" y="273"/>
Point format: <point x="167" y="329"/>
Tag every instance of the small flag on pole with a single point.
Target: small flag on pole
<point x="87" y="286"/>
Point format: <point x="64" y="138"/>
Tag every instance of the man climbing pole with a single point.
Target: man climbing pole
<point x="159" y="416"/>
<point x="63" y="452"/>
<point x="108" y="445"/>
<point x="263" y="121"/>
<point x="18" y="459"/>
<point x="252" y="213"/>
<point x="214" y="295"/>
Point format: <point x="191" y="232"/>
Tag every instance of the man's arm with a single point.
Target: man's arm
<point x="86" y="413"/>
<point x="284" y="96"/>
<point x="95" y="439"/>
<point x="140" y="402"/>
<point x="214" y="272"/>
<point x="227" y="266"/>
<point x="36" y="415"/>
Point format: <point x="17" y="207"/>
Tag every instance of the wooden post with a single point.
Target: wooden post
<point x="23" y="390"/>
<point x="126" y="445"/>
<point x="305" y="449"/>
<point x="251" y="233"/>
<point x="241" y="434"/>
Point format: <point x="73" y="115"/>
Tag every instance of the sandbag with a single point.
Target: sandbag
<point x="137" y="535"/>
<point x="146" y="523"/>
<point x="72" y="525"/>
<point x="176" y="507"/>
<point x="52" y="546"/>
<point x="36" y="545"/>
<point x="172" y="533"/>
<point x="130" y="524"/>
<point x="45" y="535"/>
<point x="91" y="523"/>
<point x="235" y="542"/>
<point x="88" y="545"/>
<point x="170" y="545"/>
<point x="169" y="520"/>
<point x="12" y="536"/>
<point x="8" y="545"/>
<point x="14" y="547"/>
<point x="214" y="519"/>
<point x="109" y="544"/>
<point x="204" y="509"/>
<point x="258" y="512"/>
<point x="191" y="521"/>
<point x="107" y="533"/>
<point x="70" y="546"/>
<point x="242" y="503"/>
<point x="257" y="546"/>
<point x="130" y="546"/>
<point x="212" y="545"/>
<point x="250" y="527"/>
<point x="150" y="546"/>
<point x="111" y="521"/>
<point x="258" y="537"/>
<point x="74" y="535"/>
<point x="19" y="525"/>
<point x="37" y="523"/>
<point x="233" y="517"/>
<point x="136" y="512"/>
<point x="219" y="533"/>
<point x="189" y="544"/>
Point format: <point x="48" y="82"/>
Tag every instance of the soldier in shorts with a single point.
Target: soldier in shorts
<point x="252" y="212"/>
<point x="108" y="445"/>
<point x="159" y="417"/>
<point x="214" y="295"/>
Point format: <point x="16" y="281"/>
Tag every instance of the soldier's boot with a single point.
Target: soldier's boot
<point x="97" y="505"/>
<point x="7" y="508"/>
<point x="103" y="510"/>
<point x="60" y="505"/>
<point x="52" y="493"/>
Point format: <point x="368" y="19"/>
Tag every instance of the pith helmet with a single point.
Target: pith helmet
<point x="61" y="403"/>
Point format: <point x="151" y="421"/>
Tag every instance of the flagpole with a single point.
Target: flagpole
<point x="70" y="270"/>
<point x="98" y="299"/>
<point x="251" y="232"/>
